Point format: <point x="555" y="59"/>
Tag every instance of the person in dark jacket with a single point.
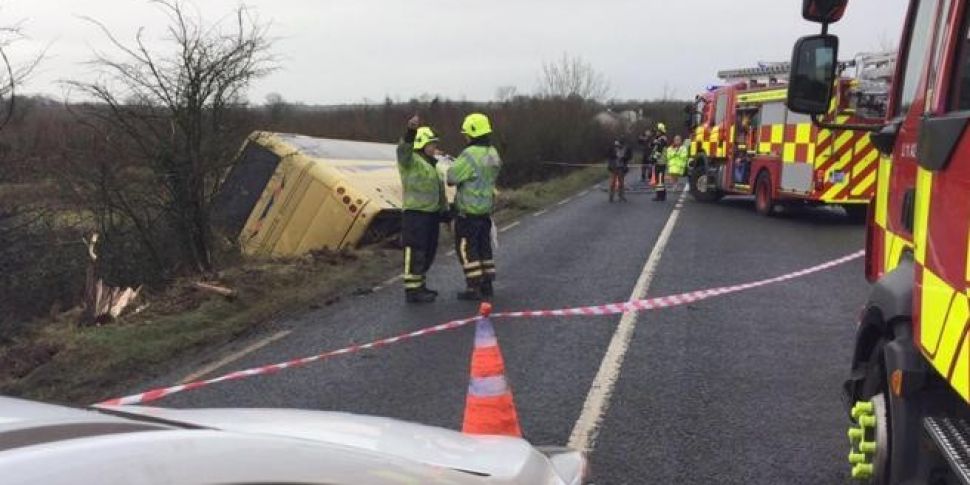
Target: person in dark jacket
<point x="646" y="145"/>
<point x="618" y="163"/>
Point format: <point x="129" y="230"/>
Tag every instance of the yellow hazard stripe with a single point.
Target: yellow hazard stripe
<point x="924" y="187"/>
<point x="861" y="187"/>
<point x="764" y="96"/>
<point x="882" y="196"/>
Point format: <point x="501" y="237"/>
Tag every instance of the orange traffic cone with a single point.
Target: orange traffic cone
<point x="489" y="407"/>
<point x="653" y="178"/>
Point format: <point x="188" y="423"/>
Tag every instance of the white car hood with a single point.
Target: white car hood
<point x="502" y="458"/>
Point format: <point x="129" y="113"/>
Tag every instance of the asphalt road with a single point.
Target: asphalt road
<point x="742" y="388"/>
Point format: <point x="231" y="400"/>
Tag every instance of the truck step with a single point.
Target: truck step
<point x="952" y="437"/>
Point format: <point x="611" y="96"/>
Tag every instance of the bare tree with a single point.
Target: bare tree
<point x="12" y="74"/>
<point x="171" y="115"/>
<point x="572" y="76"/>
<point x="505" y="94"/>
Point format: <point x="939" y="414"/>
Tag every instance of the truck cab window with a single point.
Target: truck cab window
<point x="916" y="52"/>
<point x="721" y="110"/>
<point x="960" y="96"/>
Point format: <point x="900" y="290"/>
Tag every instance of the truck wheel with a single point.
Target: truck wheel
<point x="885" y="439"/>
<point x="764" y="201"/>
<point x="869" y="434"/>
<point x="700" y="188"/>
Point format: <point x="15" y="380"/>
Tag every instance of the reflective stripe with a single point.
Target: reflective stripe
<point x="882" y="195"/>
<point x="924" y="188"/>
<point x="407" y="260"/>
<point x="472" y="265"/>
<point x="474" y="274"/>
<point x="463" y="250"/>
<point x="488" y="386"/>
<point x="414" y="286"/>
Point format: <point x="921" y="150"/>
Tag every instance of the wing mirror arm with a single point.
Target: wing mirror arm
<point x="885" y="138"/>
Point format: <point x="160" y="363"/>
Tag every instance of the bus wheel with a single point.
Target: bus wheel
<point x="764" y="201"/>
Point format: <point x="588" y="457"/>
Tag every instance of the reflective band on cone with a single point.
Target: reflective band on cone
<point x="489" y="407"/>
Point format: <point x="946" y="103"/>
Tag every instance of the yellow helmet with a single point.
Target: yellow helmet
<point x="476" y="125"/>
<point x="661" y="127"/>
<point x="423" y="137"/>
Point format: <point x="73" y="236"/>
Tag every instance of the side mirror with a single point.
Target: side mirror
<point x="813" y="74"/>
<point x="823" y="11"/>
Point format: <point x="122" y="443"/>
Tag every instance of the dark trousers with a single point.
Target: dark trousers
<point x="419" y="235"/>
<point x="473" y="243"/>
<point x="617" y="183"/>
<point x="661" y="187"/>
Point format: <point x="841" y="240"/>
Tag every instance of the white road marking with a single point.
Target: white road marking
<point x="597" y="402"/>
<point x="451" y="253"/>
<point x="233" y="357"/>
<point x="583" y="193"/>
<point x="539" y="213"/>
<point x="392" y="280"/>
<point x="510" y="226"/>
<point x="565" y="201"/>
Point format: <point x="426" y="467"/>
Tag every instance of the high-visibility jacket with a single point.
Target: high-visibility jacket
<point x="474" y="173"/>
<point x="676" y="159"/>
<point x="423" y="188"/>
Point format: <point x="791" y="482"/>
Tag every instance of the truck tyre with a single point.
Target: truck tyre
<point x="875" y="389"/>
<point x="764" y="200"/>
<point x="898" y="428"/>
<point x="699" y="190"/>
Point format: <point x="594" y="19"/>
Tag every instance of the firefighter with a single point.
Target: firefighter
<point x="425" y="206"/>
<point x="474" y="173"/>
<point x="676" y="156"/>
<point x="618" y="164"/>
<point x="659" y="147"/>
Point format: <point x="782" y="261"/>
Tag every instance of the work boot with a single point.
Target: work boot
<point x="660" y="195"/>
<point x="429" y="290"/>
<point x="470" y="294"/>
<point x="419" y="296"/>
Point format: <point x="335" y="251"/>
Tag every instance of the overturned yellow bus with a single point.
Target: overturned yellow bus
<point x="289" y="194"/>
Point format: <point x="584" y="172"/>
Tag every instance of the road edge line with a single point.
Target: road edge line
<point x="209" y="369"/>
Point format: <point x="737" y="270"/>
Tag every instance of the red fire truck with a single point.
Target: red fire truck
<point x="746" y="142"/>
<point x="909" y="386"/>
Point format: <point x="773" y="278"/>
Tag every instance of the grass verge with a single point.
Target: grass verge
<point x="61" y="362"/>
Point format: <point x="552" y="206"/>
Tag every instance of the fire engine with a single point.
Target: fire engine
<point x="909" y="387"/>
<point x="745" y="141"/>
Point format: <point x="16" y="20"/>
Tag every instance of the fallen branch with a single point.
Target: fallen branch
<point x="228" y="293"/>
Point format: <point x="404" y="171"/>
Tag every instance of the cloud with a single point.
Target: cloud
<point x="336" y="51"/>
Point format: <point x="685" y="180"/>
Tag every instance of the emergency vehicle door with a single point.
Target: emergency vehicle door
<point x="745" y="142"/>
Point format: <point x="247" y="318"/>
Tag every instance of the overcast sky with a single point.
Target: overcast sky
<point x="339" y="51"/>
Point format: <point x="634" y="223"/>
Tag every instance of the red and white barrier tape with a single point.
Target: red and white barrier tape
<point x="674" y="300"/>
<point x="610" y="309"/>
